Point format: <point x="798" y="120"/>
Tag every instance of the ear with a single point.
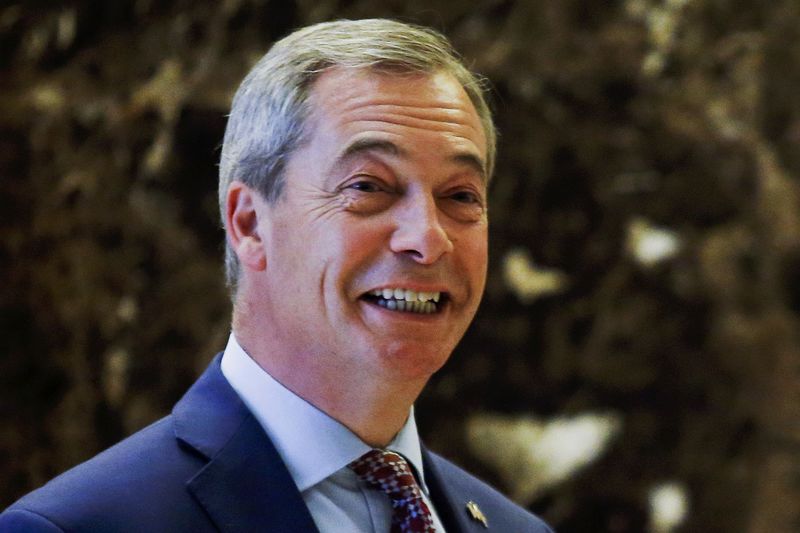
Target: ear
<point x="244" y="223"/>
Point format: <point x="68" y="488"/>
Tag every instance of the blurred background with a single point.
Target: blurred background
<point x="635" y="365"/>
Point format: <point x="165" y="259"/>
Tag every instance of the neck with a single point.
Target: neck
<point x="370" y="404"/>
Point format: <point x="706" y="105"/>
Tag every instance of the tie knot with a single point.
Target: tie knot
<point x="390" y="473"/>
<point x="387" y="471"/>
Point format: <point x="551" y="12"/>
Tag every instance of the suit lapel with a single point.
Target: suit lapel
<point x="244" y="486"/>
<point x="449" y="500"/>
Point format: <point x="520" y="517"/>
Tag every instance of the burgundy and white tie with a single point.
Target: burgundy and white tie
<point x="390" y="473"/>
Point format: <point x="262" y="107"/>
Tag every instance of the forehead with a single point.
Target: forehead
<point x="352" y="104"/>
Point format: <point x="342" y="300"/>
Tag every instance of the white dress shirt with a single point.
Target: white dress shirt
<point x="317" y="449"/>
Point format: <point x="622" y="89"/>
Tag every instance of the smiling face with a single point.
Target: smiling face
<point x="376" y="252"/>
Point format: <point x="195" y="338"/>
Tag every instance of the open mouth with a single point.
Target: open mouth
<point x="407" y="300"/>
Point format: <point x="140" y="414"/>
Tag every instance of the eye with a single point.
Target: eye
<point x="466" y="197"/>
<point x="464" y="204"/>
<point x="366" y="194"/>
<point x="364" y="186"/>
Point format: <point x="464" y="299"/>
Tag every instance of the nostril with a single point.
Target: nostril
<point x="423" y="245"/>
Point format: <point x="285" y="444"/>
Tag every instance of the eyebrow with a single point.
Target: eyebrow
<point x="473" y="161"/>
<point x="361" y="146"/>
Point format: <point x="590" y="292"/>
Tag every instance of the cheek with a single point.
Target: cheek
<point x="475" y="259"/>
<point x="360" y="237"/>
<point x="351" y="248"/>
<point x="475" y="251"/>
<point x="297" y="260"/>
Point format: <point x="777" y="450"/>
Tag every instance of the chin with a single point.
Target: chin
<point x="413" y="360"/>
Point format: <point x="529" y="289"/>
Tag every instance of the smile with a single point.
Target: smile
<point x="406" y="300"/>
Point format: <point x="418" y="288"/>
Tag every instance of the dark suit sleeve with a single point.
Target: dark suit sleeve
<point x="23" y="521"/>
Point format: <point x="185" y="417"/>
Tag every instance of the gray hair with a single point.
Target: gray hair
<point x="270" y="108"/>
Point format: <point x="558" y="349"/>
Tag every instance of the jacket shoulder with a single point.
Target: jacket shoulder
<point x="24" y="521"/>
<point x="142" y="477"/>
<point x="500" y="512"/>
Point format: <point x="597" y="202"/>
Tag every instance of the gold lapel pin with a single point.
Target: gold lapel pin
<point x="476" y="513"/>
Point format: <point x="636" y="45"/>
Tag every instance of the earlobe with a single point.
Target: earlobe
<point x="244" y="226"/>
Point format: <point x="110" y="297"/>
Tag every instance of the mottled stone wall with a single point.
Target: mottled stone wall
<point x="643" y="304"/>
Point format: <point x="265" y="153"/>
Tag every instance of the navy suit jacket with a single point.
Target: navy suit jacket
<point x="209" y="466"/>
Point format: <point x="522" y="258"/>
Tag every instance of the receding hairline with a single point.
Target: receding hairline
<point x="367" y="142"/>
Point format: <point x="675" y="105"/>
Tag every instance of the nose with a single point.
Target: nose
<point x="418" y="232"/>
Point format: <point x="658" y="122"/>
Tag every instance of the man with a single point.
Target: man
<point x="353" y="194"/>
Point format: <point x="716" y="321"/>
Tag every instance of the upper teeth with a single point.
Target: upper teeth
<point x="407" y="295"/>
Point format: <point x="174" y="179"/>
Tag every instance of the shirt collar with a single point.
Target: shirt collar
<point x="297" y="428"/>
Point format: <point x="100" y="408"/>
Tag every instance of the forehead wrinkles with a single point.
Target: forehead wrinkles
<point x="430" y="117"/>
<point x="434" y="103"/>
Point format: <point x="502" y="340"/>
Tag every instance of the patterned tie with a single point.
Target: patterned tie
<point x="390" y="473"/>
